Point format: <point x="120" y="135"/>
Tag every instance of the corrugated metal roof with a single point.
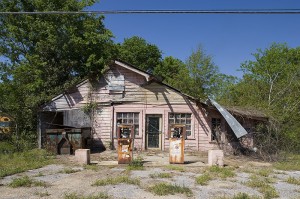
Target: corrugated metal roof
<point x="236" y="127"/>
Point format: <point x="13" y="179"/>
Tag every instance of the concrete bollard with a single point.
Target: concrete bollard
<point x="83" y="156"/>
<point x="216" y="157"/>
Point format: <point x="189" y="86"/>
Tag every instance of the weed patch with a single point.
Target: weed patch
<point x="221" y="172"/>
<point x="263" y="186"/>
<point x="203" y="179"/>
<point x="25" y="181"/>
<point x="163" y="189"/>
<point x="19" y="162"/>
<point x="292" y="180"/>
<point x="136" y="164"/>
<point x="161" y="175"/>
<point x="100" y="195"/>
<point x="175" y="168"/>
<point x="291" y="162"/>
<point x="93" y="167"/>
<point x="117" y="180"/>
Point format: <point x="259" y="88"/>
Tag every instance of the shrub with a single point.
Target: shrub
<point x="136" y="164"/>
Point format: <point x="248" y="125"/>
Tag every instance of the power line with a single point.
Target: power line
<point x="108" y="12"/>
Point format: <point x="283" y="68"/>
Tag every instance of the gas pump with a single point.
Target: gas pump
<point x="177" y="135"/>
<point x="125" y="134"/>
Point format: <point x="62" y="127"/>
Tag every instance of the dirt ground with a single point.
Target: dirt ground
<point x="68" y="177"/>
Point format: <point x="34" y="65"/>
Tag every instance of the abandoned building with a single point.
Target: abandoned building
<point x="88" y="115"/>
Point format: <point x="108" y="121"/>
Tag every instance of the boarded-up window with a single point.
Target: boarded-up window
<point x="129" y="118"/>
<point x="182" y="118"/>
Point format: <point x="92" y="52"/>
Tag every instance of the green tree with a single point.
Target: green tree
<point x="173" y="72"/>
<point x="44" y="54"/>
<point x="138" y="52"/>
<point x="272" y="83"/>
<point x="206" y="77"/>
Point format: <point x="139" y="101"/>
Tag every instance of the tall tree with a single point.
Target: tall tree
<point x="43" y="54"/>
<point x="272" y="83"/>
<point x="138" y="52"/>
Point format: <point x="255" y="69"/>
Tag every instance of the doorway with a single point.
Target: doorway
<point x="153" y="131"/>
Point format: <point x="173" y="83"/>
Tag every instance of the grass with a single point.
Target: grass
<point x="221" y="172"/>
<point x="263" y="186"/>
<point x="161" y="175"/>
<point x="240" y="196"/>
<point x="163" y="189"/>
<point x="25" y="181"/>
<point x="293" y="180"/>
<point x="100" y="195"/>
<point x="19" y="162"/>
<point x="175" y="168"/>
<point x="214" y="172"/>
<point x="117" y="180"/>
<point x="203" y="179"/>
<point x="265" y="172"/>
<point x="93" y="167"/>
<point x="136" y="164"/>
<point x="290" y="163"/>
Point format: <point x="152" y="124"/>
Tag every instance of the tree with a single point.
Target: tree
<point x="45" y="54"/>
<point x="173" y="72"/>
<point x="205" y="75"/>
<point x="272" y="83"/>
<point x="138" y="52"/>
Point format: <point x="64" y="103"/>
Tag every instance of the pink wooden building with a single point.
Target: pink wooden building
<point x="128" y="95"/>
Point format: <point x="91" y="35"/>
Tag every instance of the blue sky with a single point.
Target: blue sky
<point x="229" y="39"/>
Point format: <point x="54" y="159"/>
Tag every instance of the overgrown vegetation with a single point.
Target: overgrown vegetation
<point x="100" y="195"/>
<point x="215" y="172"/>
<point x="26" y="181"/>
<point x="263" y="186"/>
<point x="23" y="161"/>
<point x="293" y="180"/>
<point x="203" y="179"/>
<point x="163" y="189"/>
<point x="288" y="162"/>
<point x="160" y="175"/>
<point x="117" y="180"/>
<point x="136" y="164"/>
<point x="175" y="167"/>
<point x="240" y="196"/>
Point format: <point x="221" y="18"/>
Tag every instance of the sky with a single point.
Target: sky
<point x="230" y="39"/>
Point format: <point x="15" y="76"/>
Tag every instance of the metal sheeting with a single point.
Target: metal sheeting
<point x="236" y="127"/>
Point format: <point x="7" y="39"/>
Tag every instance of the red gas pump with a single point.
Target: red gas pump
<point x="177" y="135"/>
<point x="125" y="135"/>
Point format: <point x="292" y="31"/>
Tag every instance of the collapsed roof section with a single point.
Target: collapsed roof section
<point x="236" y="127"/>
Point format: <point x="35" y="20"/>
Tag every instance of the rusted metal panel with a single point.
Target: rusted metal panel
<point x="65" y="141"/>
<point x="176" y="151"/>
<point x="177" y="135"/>
<point x="125" y="134"/>
<point x="125" y="153"/>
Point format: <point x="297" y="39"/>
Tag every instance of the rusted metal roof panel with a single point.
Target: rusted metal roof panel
<point x="236" y="127"/>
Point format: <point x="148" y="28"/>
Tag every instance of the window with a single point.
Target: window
<point x="182" y="118"/>
<point x="129" y="118"/>
<point x="215" y="129"/>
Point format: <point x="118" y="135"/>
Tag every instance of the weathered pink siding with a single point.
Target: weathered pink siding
<point x="140" y="96"/>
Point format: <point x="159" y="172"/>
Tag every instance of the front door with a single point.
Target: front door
<point x="153" y="131"/>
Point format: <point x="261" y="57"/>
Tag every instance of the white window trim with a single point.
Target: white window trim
<point x="126" y="111"/>
<point x="192" y="136"/>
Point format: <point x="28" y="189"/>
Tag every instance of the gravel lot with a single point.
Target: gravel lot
<point x="66" y="177"/>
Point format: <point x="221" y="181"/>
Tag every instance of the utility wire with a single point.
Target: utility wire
<point x="107" y="12"/>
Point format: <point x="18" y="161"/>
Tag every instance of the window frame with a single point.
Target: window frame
<point x="191" y="136"/>
<point x="212" y="129"/>
<point x="139" y="134"/>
